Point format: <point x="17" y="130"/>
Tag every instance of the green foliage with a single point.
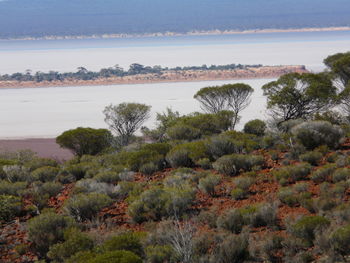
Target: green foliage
<point x="306" y="226"/>
<point x="183" y="132"/>
<point x="256" y="127"/>
<point x="149" y="168"/>
<point x="340" y="240"/>
<point x="45" y="173"/>
<point x="204" y="163"/>
<point x="125" y="118"/>
<point x="220" y="145"/>
<point x="341" y="174"/>
<point x="179" y="158"/>
<point x="295" y="96"/>
<point x="74" y="241"/>
<point x="120" y="256"/>
<point x="311" y="157"/>
<point x="339" y="64"/>
<point x="158" y="253"/>
<point x="323" y="173"/>
<point x="231" y="220"/>
<point x="208" y="183"/>
<point x="232" y="164"/>
<point x="85" y="206"/>
<point x="135" y="160"/>
<point x="316" y="133"/>
<point x="292" y="173"/>
<point x="127" y="241"/>
<point x="16" y="189"/>
<point x="47" y="229"/>
<point x="225" y="165"/>
<point x="85" y="140"/>
<point x="233" y="249"/>
<point x="10" y="206"/>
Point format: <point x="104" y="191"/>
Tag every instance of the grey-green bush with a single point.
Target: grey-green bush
<point x="256" y="127"/>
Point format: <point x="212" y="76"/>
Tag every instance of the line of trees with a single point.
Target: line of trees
<point x="116" y="71"/>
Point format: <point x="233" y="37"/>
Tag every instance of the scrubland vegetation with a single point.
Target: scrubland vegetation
<point x="193" y="189"/>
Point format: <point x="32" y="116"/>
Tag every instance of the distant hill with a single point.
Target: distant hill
<point x="21" y="18"/>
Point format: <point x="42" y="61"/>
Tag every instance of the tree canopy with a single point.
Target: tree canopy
<point x="295" y="96"/>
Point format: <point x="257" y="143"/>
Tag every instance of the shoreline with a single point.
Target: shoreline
<point x="165" y="77"/>
<point x="190" y="33"/>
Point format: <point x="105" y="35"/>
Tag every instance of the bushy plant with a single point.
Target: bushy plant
<point x="316" y="133"/>
<point x="256" y="127"/>
<point x="208" y="183"/>
<point x="312" y="157"/>
<point x="17" y="173"/>
<point x="204" y="163"/>
<point x="179" y="158"/>
<point x="92" y="186"/>
<point x="85" y="206"/>
<point x="340" y="174"/>
<point x="47" y="229"/>
<point x="183" y="132"/>
<point x="323" y="173"/>
<point x="306" y="226"/>
<point x="50" y="188"/>
<point x="340" y="240"/>
<point x="10" y="206"/>
<point x="292" y="173"/>
<point x="7" y="188"/>
<point x="107" y="176"/>
<point x="127" y="241"/>
<point x="220" y="145"/>
<point x="233" y="249"/>
<point x="159" y="253"/>
<point x="45" y="173"/>
<point x="231" y="220"/>
<point x="119" y="256"/>
<point x="232" y="164"/>
<point x="149" y="168"/>
<point x="225" y="165"/>
<point x="74" y="241"/>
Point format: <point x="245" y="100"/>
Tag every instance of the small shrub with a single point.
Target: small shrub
<point x="204" y="163"/>
<point x="179" y="158"/>
<point x="340" y="240"/>
<point x="120" y="256"/>
<point x="225" y="165"/>
<point x="233" y="249"/>
<point x="208" y="183"/>
<point x="47" y="229"/>
<point x="265" y="215"/>
<point x="183" y="132"/>
<point x="221" y="145"/>
<point x="244" y="182"/>
<point x="75" y="241"/>
<point x="92" y="186"/>
<point x="16" y="189"/>
<point x="323" y="173"/>
<point x="292" y="173"/>
<point x="312" y="158"/>
<point x="256" y="127"/>
<point x="238" y="194"/>
<point x="45" y="174"/>
<point x="127" y="241"/>
<point x="49" y="188"/>
<point x="85" y="206"/>
<point x="306" y="226"/>
<point x="232" y="220"/>
<point x="341" y="174"/>
<point x="107" y="176"/>
<point x="159" y="254"/>
<point x="17" y="173"/>
<point x="149" y="168"/>
<point x="288" y="196"/>
<point x="316" y="133"/>
<point x="10" y="206"/>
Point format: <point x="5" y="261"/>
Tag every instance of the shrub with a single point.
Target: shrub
<point x="75" y="241"/>
<point x="149" y="168"/>
<point x="45" y="174"/>
<point x="225" y="165"/>
<point x="238" y="193"/>
<point x="107" y="176"/>
<point x="316" y="133"/>
<point x="292" y="173"/>
<point x="265" y="215"/>
<point x="10" y="206"/>
<point x="17" y="173"/>
<point x="7" y="188"/>
<point x="340" y="240"/>
<point x="127" y="241"/>
<point x="288" y="196"/>
<point x="49" y="188"/>
<point x="341" y="174"/>
<point x="220" y="145"/>
<point x="306" y="226"/>
<point x="323" y="173"/>
<point x="85" y="206"/>
<point x="183" y="132"/>
<point x="244" y="182"/>
<point x="47" y="229"/>
<point x="256" y="127"/>
<point x="179" y="158"/>
<point x="92" y="186"/>
<point x="231" y="220"/>
<point x="35" y="163"/>
<point x="120" y="256"/>
<point x="78" y="171"/>
<point x="204" y="163"/>
<point x="312" y="158"/>
<point x="135" y="160"/>
<point x="233" y="249"/>
<point x="159" y="254"/>
<point x="85" y="140"/>
<point x="208" y="183"/>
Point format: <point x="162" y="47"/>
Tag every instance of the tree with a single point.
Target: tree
<point x="230" y="97"/>
<point x="85" y="140"/>
<point x="125" y="118"/>
<point x="298" y="96"/>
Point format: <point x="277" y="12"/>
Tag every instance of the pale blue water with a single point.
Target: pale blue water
<point x="46" y="112"/>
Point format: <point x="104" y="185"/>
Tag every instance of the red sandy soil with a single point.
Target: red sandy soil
<point x="43" y="147"/>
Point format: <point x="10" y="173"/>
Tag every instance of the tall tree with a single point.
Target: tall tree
<point x="229" y="97"/>
<point x="125" y="119"/>
<point x="295" y="96"/>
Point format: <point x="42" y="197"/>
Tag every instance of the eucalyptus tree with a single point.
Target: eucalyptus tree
<point x="125" y="119"/>
<point x="299" y="96"/>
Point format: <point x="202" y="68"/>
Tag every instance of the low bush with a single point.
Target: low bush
<point x="107" y="176"/>
<point x="233" y="249"/>
<point x="85" y="206"/>
<point x="208" y="183"/>
<point x="295" y="196"/>
<point x="306" y="227"/>
<point x="74" y="241"/>
<point x="183" y="132"/>
<point x="47" y="229"/>
<point x="50" y="188"/>
<point x="220" y="145"/>
<point x="341" y="174"/>
<point x="292" y="173"/>
<point x="119" y="256"/>
<point x="149" y="168"/>
<point x="92" y="186"/>
<point x="17" y="173"/>
<point x="231" y="220"/>
<point x="316" y="133"/>
<point x="127" y="241"/>
<point x="311" y="157"/>
<point x="340" y="240"/>
<point x="225" y="165"/>
<point x="323" y="173"/>
<point x="232" y="164"/>
<point x="238" y="194"/>
<point x="16" y="189"/>
<point x="45" y="174"/>
<point x="179" y="158"/>
<point x="256" y="127"/>
<point x="10" y="206"/>
<point x="204" y="163"/>
<point x="159" y="253"/>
